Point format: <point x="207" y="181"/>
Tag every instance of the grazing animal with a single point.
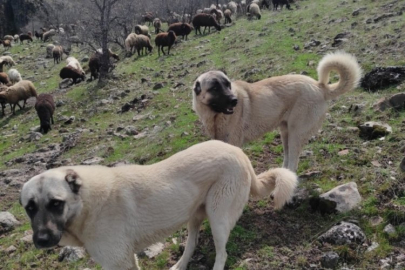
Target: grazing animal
<point x="70" y="72"/>
<point x="181" y="29"/>
<point x="49" y="50"/>
<point x="142" y="30"/>
<point x="16" y="38"/>
<point x="39" y="35"/>
<point x="218" y="14"/>
<point x="14" y="76"/>
<point x="48" y="34"/>
<point x="25" y="37"/>
<point x="165" y="40"/>
<point x="240" y="112"/>
<point x="74" y="63"/>
<point x="205" y="20"/>
<point x="228" y="14"/>
<point x="232" y="7"/>
<point x="8" y="37"/>
<point x="6" y="61"/>
<point x="254" y="11"/>
<point x="57" y="54"/>
<point x="122" y="210"/>
<point x="4" y="79"/>
<point x="281" y="3"/>
<point x="141" y="42"/>
<point x="6" y="43"/>
<point x="157" y="23"/>
<point x="148" y="17"/>
<point x="130" y="43"/>
<point x="95" y="62"/>
<point x="22" y="90"/>
<point x="45" y="107"/>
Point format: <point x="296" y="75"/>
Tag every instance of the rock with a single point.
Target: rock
<point x="35" y="129"/>
<point x="357" y="11"/>
<point x="374" y="130"/>
<point x="139" y="117"/>
<point x="312" y="43"/>
<point x="92" y="161"/>
<point x="382" y="77"/>
<point x="71" y="254"/>
<point x="70" y="120"/>
<point x="158" y="86"/>
<point x="340" y="38"/>
<point x="343" y="152"/>
<point x="373" y="246"/>
<point x="345" y="196"/>
<point x="308" y="175"/>
<point x="402" y="165"/>
<point x="296" y="47"/>
<point x="65" y="83"/>
<point x="7" y="222"/>
<point x="140" y="135"/>
<point x="343" y="233"/>
<point x="131" y="130"/>
<point x="60" y="103"/>
<point x="330" y="260"/>
<point x="154" y="250"/>
<point x="85" y="59"/>
<point x="389" y="229"/>
<point x="375" y="221"/>
<point x="27" y="239"/>
<point x="34" y="136"/>
<point x="11" y="249"/>
<point x="396" y="101"/>
<point x="386" y="263"/>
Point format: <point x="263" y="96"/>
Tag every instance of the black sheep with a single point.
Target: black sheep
<point x="45" y="106"/>
<point x="72" y="73"/>
<point x="181" y="29"/>
<point x="205" y="20"/>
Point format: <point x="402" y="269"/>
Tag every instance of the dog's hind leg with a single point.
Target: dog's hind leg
<point x="193" y="227"/>
<point x="284" y="139"/>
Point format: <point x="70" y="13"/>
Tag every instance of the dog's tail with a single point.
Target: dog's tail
<point x="349" y="71"/>
<point x="279" y="182"/>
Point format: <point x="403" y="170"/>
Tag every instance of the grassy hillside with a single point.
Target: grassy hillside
<point x="248" y="50"/>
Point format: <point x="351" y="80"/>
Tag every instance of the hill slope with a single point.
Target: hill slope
<point x="164" y="124"/>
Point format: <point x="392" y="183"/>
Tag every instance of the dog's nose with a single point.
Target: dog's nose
<point x="43" y="238"/>
<point x="234" y="101"/>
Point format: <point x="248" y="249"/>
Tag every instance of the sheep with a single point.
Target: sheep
<point x="205" y="20"/>
<point x="95" y="62"/>
<point x="227" y="14"/>
<point x="254" y="10"/>
<point x="74" y="63"/>
<point x="4" y="79"/>
<point x="14" y="76"/>
<point x="8" y="37"/>
<point x="45" y="107"/>
<point x="218" y="14"/>
<point x="232" y="7"/>
<point x="49" y="49"/>
<point x="75" y="40"/>
<point x="130" y="43"/>
<point x="142" y="29"/>
<point x="157" y="23"/>
<point x="57" y="54"/>
<point x="148" y="17"/>
<point x="262" y="3"/>
<point x="142" y="41"/>
<point x="186" y="18"/>
<point x="70" y="72"/>
<point x="281" y="3"/>
<point x="22" y="90"/>
<point x="48" y="34"/>
<point x="16" y="38"/>
<point x="181" y="29"/>
<point x="165" y="40"/>
<point x="38" y="35"/>
<point x="25" y="37"/>
<point x="6" y="43"/>
<point x="6" y="60"/>
<point x="29" y="33"/>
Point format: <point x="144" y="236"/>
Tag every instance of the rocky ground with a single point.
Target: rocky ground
<point x="349" y="210"/>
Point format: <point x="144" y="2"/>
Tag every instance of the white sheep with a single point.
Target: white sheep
<point x="254" y="10"/>
<point x="130" y="43"/>
<point x="232" y="7"/>
<point x="14" y="76"/>
<point x="22" y="90"/>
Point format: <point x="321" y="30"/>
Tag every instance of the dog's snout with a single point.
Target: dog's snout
<point x="234" y="101"/>
<point x="42" y="238"/>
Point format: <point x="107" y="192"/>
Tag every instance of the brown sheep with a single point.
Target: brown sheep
<point x="157" y="23"/>
<point x="165" y="40"/>
<point x="25" y="37"/>
<point x="38" y="35"/>
<point x="57" y="54"/>
<point x="148" y="17"/>
<point x="205" y="20"/>
<point x="4" y="79"/>
<point x="95" y="63"/>
<point x="227" y="14"/>
<point x="22" y="90"/>
<point x="130" y="43"/>
<point x="72" y="73"/>
<point x="6" y="43"/>
<point x="45" y="107"/>
<point x="181" y="29"/>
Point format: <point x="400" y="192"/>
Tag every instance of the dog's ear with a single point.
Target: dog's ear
<point x="223" y="71"/>
<point x="72" y="178"/>
<point x="197" y="88"/>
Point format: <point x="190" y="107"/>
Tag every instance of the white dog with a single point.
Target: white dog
<point x="240" y="112"/>
<point x="116" y="212"/>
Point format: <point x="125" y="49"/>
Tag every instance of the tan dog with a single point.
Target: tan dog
<point x="116" y="212"/>
<point x="240" y="112"/>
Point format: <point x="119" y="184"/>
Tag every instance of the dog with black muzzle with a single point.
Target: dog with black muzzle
<point x="117" y="212"/>
<point x="239" y="112"/>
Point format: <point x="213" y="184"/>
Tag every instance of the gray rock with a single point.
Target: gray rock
<point x="330" y="260"/>
<point x="343" y="233"/>
<point x="374" y="130"/>
<point x="34" y="136"/>
<point x="154" y="250"/>
<point x="396" y="101"/>
<point x="27" y="239"/>
<point x="375" y="221"/>
<point x="386" y="263"/>
<point x="85" y="59"/>
<point x="389" y="229"/>
<point x="131" y="130"/>
<point x="140" y="135"/>
<point x="158" y="86"/>
<point x="65" y="83"/>
<point x="60" y="103"/>
<point x="11" y="249"/>
<point x="92" y="161"/>
<point x="7" y="222"/>
<point x="71" y="254"/>
<point x="373" y="246"/>
<point x="345" y="196"/>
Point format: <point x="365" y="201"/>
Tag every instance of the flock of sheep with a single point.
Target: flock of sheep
<point x="13" y="89"/>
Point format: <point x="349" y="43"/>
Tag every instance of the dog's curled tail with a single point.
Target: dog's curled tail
<point x="279" y="182"/>
<point x="349" y="72"/>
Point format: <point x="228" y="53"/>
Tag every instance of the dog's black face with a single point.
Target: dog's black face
<point x="215" y="90"/>
<point x="47" y="221"/>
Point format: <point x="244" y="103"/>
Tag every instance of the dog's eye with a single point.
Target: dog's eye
<point x="56" y="204"/>
<point x="31" y="209"/>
